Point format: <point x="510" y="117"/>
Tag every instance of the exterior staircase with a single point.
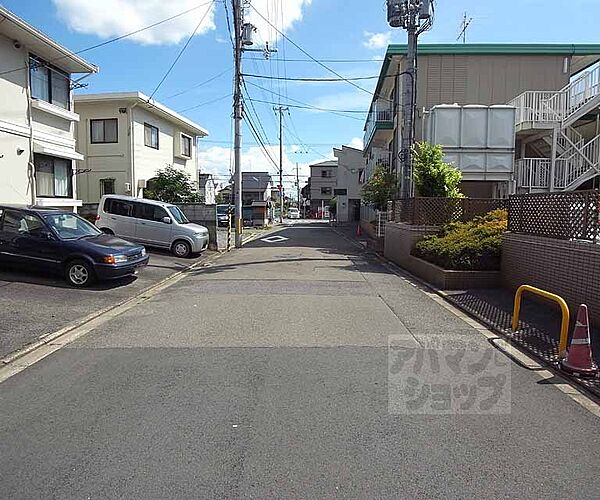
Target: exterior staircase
<point x="547" y="121"/>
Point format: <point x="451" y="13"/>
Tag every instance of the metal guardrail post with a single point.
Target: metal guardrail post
<point x="564" y="327"/>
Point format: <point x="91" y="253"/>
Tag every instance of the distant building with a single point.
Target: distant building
<point x="323" y="180"/>
<point x="347" y="189"/>
<point x="256" y="186"/>
<point x="206" y="189"/>
<point x="127" y="139"/>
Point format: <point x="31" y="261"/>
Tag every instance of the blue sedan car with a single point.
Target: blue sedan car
<point x="59" y="240"/>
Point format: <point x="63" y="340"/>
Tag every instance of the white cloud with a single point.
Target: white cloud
<point x="282" y="15"/>
<point x="356" y="142"/>
<point x="376" y="41"/>
<point x="346" y="100"/>
<point x="110" y="18"/>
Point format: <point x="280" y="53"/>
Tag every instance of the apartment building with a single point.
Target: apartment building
<point x="323" y="181"/>
<point x="481" y="74"/>
<point x="348" y="186"/>
<point x="37" y="120"/>
<point x="126" y="138"/>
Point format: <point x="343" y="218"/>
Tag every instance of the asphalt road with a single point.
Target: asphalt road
<point x="35" y="304"/>
<point x="280" y="371"/>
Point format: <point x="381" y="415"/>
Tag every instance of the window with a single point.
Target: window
<point x="340" y="192"/>
<point x="16" y="222"/>
<point x="49" y="83"/>
<point x="71" y="226"/>
<point x="178" y="215"/>
<point x="107" y="186"/>
<point x="52" y="176"/>
<point x="150" y="136"/>
<point x="150" y="212"/>
<point x="186" y="146"/>
<point x="326" y="190"/>
<point x="104" y="131"/>
<point x="118" y="207"/>
<point x="325" y="173"/>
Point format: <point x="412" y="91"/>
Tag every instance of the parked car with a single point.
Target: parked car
<point x="152" y="223"/>
<point x="293" y="213"/>
<point x="222" y="217"/>
<point x="58" y="240"/>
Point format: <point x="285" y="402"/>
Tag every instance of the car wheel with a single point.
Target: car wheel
<point x="105" y="230"/>
<point x="79" y="273"/>
<point x="181" y="249"/>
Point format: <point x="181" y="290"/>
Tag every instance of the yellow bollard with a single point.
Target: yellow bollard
<point x="564" y="327"/>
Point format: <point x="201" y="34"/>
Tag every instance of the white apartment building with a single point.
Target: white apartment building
<point x="37" y="142"/>
<point x="126" y="138"/>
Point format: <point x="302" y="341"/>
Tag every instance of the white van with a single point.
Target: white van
<point x="152" y="223"/>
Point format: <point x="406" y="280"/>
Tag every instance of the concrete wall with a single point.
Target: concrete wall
<point x="205" y="215"/>
<point x="568" y="268"/>
<point x="400" y="239"/>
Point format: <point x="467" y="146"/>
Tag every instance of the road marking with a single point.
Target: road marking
<point x="274" y="239"/>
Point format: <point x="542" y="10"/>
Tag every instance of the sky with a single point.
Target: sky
<point x="347" y="36"/>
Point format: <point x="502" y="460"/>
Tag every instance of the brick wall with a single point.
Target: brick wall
<point x="567" y="268"/>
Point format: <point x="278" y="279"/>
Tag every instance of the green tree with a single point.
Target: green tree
<point x="432" y="176"/>
<point x="172" y="185"/>
<point x="380" y="188"/>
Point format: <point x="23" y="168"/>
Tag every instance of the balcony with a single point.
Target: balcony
<point x="381" y="118"/>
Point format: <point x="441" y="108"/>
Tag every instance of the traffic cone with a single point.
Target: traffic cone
<point x="579" y="360"/>
<point x="358" y="231"/>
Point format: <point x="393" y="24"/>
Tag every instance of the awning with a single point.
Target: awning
<point x="60" y="152"/>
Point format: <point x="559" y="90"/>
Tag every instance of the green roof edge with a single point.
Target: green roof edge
<point x="499" y="48"/>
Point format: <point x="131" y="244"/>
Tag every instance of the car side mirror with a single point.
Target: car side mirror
<point x="167" y="220"/>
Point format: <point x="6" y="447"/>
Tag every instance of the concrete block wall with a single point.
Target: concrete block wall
<point x="570" y="269"/>
<point x="205" y="215"/>
<point x="400" y="240"/>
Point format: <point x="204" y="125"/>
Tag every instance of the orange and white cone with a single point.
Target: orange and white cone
<point x="579" y="360"/>
<point x="358" y="231"/>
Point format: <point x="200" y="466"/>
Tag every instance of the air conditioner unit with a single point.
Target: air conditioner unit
<point x="128" y="187"/>
<point x="142" y="183"/>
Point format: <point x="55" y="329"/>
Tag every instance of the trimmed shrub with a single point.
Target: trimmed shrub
<point x="468" y="246"/>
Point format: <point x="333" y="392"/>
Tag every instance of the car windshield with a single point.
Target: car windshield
<point x="71" y="226"/>
<point x="222" y="209"/>
<point x="178" y="215"/>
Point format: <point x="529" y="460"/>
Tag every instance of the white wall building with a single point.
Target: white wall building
<point x="126" y="138"/>
<point x="37" y="143"/>
<point x="347" y="190"/>
<point x="207" y="189"/>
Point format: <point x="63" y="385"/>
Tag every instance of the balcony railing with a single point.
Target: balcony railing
<point x="379" y="114"/>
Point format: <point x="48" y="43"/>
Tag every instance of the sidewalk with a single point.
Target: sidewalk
<point x="539" y="324"/>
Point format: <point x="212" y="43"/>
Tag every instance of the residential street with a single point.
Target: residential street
<point x="273" y="373"/>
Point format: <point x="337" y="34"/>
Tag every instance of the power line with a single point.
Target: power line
<point x="185" y="46"/>
<point x="116" y="39"/>
<point x="332" y="61"/>
<point x="315" y="60"/>
<point x="308" y="79"/>
<point x="206" y="103"/>
<point x="199" y="84"/>
<point x="315" y="108"/>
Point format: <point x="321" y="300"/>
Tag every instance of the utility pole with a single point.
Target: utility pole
<point x="280" y="110"/>
<point x="415" y="17"/>
<point x="237" y="116"/>
<point x="298" y="186"/>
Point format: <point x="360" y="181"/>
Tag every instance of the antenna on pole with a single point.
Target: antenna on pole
<point x="464" y="25"/>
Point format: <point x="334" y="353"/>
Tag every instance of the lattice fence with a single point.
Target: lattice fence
<point x="439" y="211"/>
<point x="572" y="215"/>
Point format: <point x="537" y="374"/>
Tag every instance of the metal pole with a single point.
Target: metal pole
<point x="298" y="186"/>
<point x="237" y="115"/>
<point x="407" y="102"/>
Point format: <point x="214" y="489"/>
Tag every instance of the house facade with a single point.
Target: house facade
<point x="126" y="139"/>
<point x="323" y="181"/>
<point x="347" y="190"/>
<point x="256" y="187"/>
<point x="37" y="120"/>
<point x="468" y="74"/>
